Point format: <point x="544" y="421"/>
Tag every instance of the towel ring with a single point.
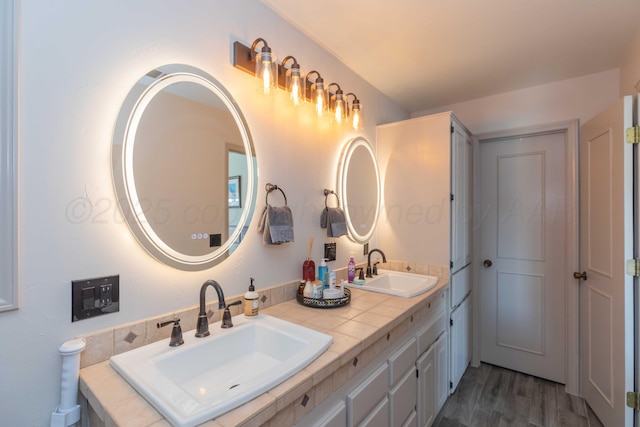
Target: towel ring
<point x="326" y="197"/>
<point x="270" y="188"/>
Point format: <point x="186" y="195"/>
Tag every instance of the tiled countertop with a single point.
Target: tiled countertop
<point x="367" y="326"/>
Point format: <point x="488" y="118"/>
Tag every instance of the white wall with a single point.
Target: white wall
<point x="578" y="98"/>
<point x="78" y="62"/>
<point x="630" y="70"/>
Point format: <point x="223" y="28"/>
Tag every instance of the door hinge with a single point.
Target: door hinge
<point x="417" y="373"/>
<point x="632" y="135"/>
<point x="633" y="267"/>
<point x="450" y="384"/>
<point x="450" y="264"/>
<point x="452" y="129"/>
<point x="633" y="400"/>
<point x="450" y="322"/>
<point x="452" y="197"/>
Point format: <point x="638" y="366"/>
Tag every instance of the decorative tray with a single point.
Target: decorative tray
<point x="325" y="303"/>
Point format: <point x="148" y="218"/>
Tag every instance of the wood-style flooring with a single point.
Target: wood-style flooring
<point x="492" y="396"/>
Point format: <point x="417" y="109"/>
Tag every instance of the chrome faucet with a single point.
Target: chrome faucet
<point x="202" y="329"/>
<point x="375" y="268"/>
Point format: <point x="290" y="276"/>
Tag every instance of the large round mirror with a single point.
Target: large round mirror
<point x="359" y="184"/>
<point x="184" y="167"/>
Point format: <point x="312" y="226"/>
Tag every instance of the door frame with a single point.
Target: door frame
<point x="572" y="226"/>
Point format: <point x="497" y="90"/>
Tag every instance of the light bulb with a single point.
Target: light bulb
<point x="355" y="117"/>
<point x="266" y="77"/>
<point x="295" y="93"/>
<point x="319" y="101"/>
<point x="339" y="111"/>
<point x="266" y="72"/>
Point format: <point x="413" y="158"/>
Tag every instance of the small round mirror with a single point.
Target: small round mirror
<point x="359" y="184"/>
<point x="184" y="167"/>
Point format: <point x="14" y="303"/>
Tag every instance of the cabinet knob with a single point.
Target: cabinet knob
<point x="487" y="263"/>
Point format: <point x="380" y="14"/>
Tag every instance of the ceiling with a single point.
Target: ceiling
<point x="429" y="53"/>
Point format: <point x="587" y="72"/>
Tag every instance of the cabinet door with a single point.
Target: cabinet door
<point x="412" y="421"/>
<point x="426" y="386"/>
<point x="441" y="357"/>
<point x="460" y="341"/>
<point x="379" y="416"/>
<point x="461" y="204"/>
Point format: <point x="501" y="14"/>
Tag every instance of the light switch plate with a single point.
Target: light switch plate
<point x="330" y="251"/>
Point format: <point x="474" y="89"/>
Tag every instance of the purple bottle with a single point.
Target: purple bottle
<point x="351" y="269"/>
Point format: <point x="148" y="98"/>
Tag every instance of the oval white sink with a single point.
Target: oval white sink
<point x="398" y="283"/>
<point x="206" y="377"/>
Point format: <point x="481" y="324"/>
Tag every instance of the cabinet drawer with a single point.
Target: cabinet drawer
<point x="366" y="396"/>
<point x="379" y="417"/>
<point x="402" y="399"/>
<point x="335" y="417"/>
<point x="430" y="333"/>
<point x="402" y="360"/>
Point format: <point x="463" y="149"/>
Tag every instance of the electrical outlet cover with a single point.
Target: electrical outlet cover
<point x="94" y="297"/>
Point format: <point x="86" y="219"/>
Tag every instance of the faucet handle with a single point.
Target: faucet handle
<point x="176" y="333"/>
<point x="226" y="316"/>
<point x="375" y="268"/>
<point x="369" y="275"/>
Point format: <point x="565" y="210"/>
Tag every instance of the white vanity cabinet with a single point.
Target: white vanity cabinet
<point x="427" y="189"/>
<point x="387" y="397"/>
<point x="390" y="391"/>
<point x="429" y="198"/>
<point x="432" y="366"/>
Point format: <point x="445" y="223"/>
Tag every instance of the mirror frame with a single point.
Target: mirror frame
<point x="124" y="177"/>
<point x="348" y="152"/>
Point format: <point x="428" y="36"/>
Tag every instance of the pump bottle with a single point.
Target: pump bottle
<point x="251" y="302"/>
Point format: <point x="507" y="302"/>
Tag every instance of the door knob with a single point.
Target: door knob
<point x="578" y="275"/>
<point x="487" y="263"/>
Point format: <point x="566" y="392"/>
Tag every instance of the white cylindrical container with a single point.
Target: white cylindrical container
<point x="68" y="412"/>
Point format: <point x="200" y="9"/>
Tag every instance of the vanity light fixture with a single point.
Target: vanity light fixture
<point x="263" y="64"/>
<point x="355" y="113"/>
<point x="337" y="104"/>
<point x="315" y="93"/>
<point x="293" y="81"/>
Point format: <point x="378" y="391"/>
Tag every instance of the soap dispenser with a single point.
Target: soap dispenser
<point x="251" y="302"/>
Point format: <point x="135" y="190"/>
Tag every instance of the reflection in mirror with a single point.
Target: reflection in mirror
<point x="178" y="140"/>
<point x="359" y="184"/>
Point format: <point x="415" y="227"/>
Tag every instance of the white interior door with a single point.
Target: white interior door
<point x="606" y="236"/>
<point x="523" y="212"/>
